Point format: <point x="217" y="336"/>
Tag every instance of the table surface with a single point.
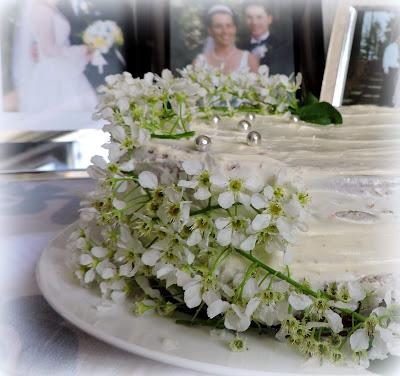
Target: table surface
<point x="34" y="339"/>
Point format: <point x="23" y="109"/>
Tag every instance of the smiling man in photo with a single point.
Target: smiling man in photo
<point x="263" y="43"/>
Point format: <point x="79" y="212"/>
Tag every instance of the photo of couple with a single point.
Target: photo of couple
<point x="61" y="52"/>
<point x="232" y="36"/>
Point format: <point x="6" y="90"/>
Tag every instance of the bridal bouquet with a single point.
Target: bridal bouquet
<point x="101" y="36"/>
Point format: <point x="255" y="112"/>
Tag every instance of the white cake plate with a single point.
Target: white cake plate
<point x="151" y="336"/>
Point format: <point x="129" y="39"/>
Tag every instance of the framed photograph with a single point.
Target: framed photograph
<point x="54" y="56"/>
<point x="232" y="34"/>
<point x="363" y="61"/>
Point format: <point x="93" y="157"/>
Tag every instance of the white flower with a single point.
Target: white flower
<point x="174" y="211"/>
<point x="128" y="254"/>
<point x="261" y="201"/>
<point x="148" y="180"/>
<point x="239" y="319"/>
<point x="217" y="307"/>
<point x="125" y="139"/>
<point x="273" y="313"/>
<point x="98" y="170"/>
<point x="166" y="272"/>
<point x="201" y="227"/>
<point x="200" y="179"/>
<point x="299" y="301"/>
<point x="356" y="291"/>
<point x="334" y="320"/>
<point x="105" y="269"/>
<point x="194" y="238"/>
<point x="88" y="214"/>
<point x="115" y="289"/>
<point x="231" y="230"/>
<point x="285" y="229"/>
<point x="151" y="256"/>
<point x="119" y="204"/>
<point x="260" y="222"/>
<point x="249" y="243"/>
<point x="192" y="288"/>
<point x="235" y="190"/>
<point x="359" y="340"/>
<point x="127" y="166"/>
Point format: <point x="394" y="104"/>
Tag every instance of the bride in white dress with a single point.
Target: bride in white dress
<point x="48" y="70"/>
<point x="223" y="54"/>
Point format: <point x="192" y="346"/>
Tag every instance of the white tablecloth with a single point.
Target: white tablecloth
<point x="35" y="340"/>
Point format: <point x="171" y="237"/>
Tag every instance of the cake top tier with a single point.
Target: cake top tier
<point x="368" y="143"/>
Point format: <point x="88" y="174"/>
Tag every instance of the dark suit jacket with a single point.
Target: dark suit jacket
<point x="99" y="11"/>
<point x="278" y="57"/>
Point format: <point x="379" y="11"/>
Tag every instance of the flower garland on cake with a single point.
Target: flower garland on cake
<point x="196" y="242"/>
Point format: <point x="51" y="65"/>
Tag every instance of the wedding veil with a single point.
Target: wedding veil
<point x="23" y="61"/>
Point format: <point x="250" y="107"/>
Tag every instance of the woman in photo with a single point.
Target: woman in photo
<point x="223" y="54"/>
<point x="48" y="70"/>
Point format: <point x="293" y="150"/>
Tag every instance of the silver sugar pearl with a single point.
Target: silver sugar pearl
<point x="253" y="138"/>
<point x="295" y="119"/>
<point x="215" y="119"/>
<point x="202" y="143"/>
<point x="250" y="116"/>
<point x="244" y="125"/>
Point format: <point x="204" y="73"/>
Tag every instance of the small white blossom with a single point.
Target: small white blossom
<point x="239" y="319"/>
<point x="231" y="230"/>
<point x="200" y="180"/>
<point x="359" y="340"/>
<point x="148" y="180"/>
<point x="235" y="190"/>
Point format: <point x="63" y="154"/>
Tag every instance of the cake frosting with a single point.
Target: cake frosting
<point x="352" y="173"/>
<point x="191" y="215"/>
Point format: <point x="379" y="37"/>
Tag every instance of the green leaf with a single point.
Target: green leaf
<point x="310" y="99"/>
<point x="322" y="113"/>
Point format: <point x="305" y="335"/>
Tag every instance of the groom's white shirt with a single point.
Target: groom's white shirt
<point x="391" y="57"/>
<point x="261" y="38"/>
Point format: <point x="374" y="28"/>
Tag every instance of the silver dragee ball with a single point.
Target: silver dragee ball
<point x="244" y="125"/>
<point x="215" y="119"/>
<point x="250" y="116"/>
<point x="202" y="143"/>
<point x="295" y="118"/>
<point x="253" y="138"/>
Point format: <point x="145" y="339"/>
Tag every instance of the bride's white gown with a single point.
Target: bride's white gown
<point x="56" y="81"/>
<point x="396" y="95"/>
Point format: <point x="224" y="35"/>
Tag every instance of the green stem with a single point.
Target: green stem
<point x="151" y="243"/>
<point x="247" y="276"/>
<point x="204" y="210"/>
<point x="219" y="258"/>
<point x="296" y="284"/>
<point x="200" y="322"/>
<point x="134" y="178"/>
<point x="174" y="136"/>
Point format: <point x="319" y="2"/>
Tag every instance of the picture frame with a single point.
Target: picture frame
<point x="301" y="24"/>
<point x="16" y="125"/>
<point x="341" y="43"/>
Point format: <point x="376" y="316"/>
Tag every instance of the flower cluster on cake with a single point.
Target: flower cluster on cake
<point x="191" y="217"/>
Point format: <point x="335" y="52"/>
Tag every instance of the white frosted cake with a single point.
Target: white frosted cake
<point x="352" y="173"/>
<point x="238" y="220"/>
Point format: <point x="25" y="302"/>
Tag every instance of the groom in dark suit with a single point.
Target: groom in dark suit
<point x="80" y="14"/>
<point x="270" y="50"/>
